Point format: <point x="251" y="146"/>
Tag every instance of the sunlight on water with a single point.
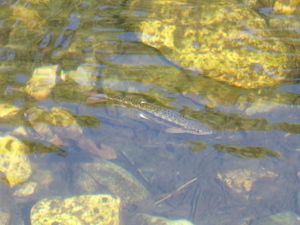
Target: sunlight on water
<point x="149" y="112"/>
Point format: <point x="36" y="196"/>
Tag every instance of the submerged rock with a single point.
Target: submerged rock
<point x="42" y="82"/>
<point x="283" y="218"/>
<point x="242" y="180"/>
<point x="13" y="160"/>
<point x="7" y="54"/>
<point x="259" y="3"/>
<point x="285" y="23"/>
<point x="4" y="218"/>
<point x="262" y="106"/>
<point x="29" y="18"/>
<point x="8" y="111"/>
<point x="288" y="27"/>
<point x="287" y="7"/>
<point x="58" y="126"/>
<point x="46" y="180"/>
<point x="85" y="209"/>
<point x="91" y="177"/>
<point x="84" y="76"/>
<point x="53" y="125"/>
<point x="156" y="220"/>
<point x="5" y="203"/>
<point x="224" y="40"/>
<point x="26" y="190"/>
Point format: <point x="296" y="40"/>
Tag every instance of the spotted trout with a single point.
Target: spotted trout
<point x="183" y="124"/>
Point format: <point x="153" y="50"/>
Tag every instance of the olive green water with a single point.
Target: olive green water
<point x="54" y="54"/>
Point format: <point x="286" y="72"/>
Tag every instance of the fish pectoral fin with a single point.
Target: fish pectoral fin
<point x="143" y="116"/>
<point x="175" y="130"/>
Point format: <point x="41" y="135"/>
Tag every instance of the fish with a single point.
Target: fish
<point x="182" y="124"/>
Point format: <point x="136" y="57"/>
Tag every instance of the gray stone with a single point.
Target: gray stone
<point x="283" y="218"/>
<point x="93" y="177"/>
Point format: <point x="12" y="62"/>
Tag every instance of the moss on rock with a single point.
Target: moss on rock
<point x="287" y="7"/>
<point x="85" y="209"/>
<point x="224" y="40"/>
<point x="13" y="161"/>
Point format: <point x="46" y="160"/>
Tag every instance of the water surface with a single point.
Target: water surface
<point x="252" y="130"/>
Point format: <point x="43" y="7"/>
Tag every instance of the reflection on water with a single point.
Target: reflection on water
<point x="135" y="152"/>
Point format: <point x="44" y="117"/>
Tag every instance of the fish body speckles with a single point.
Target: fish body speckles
<point x="185" y="125"/>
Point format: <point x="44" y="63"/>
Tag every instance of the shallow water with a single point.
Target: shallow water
<point x="253" y="130"/>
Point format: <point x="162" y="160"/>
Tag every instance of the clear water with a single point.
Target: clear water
<point x="261" y="126"/>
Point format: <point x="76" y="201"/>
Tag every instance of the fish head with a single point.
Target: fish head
<point x="96" y="98"/>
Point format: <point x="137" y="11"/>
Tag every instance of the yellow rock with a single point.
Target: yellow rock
<point x="7" y="110"/>
<point x="286" y="26"/>
<point x="20" y="132"/>
<point x="287" y="7"/>
<point x="259" y="3"/>
<point x="42" y="81"/>
<point x="61" y="117"/>
<point x="221" y="39"/>
<point x="57" y="121"/>
<point x="30" y="18"/>
<point x="13" y="161"/>
<point x="86" y="209"/>
<point x="26" y="190"/>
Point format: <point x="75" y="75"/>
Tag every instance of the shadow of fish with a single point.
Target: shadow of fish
<point x="183" y="124"/>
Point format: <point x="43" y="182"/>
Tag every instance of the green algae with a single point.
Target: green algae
<point x="221" y="121"/>
<point x="288" y="127"/>
<point x="196" y="146"/>
<point x="246" y="152"/>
